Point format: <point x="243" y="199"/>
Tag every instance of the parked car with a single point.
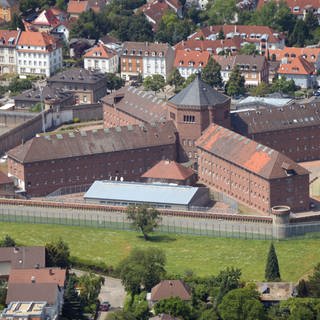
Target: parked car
<point x="104" y="306"/>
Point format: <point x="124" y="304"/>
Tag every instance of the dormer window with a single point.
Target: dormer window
<point x="153" y="54"/>
<point x="181" y="62"/>
<point x="146" y="53"/>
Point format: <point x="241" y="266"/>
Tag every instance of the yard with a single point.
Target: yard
<point x="203" y="255"/>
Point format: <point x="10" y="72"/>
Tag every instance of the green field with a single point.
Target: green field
<point x="203" y="255"/>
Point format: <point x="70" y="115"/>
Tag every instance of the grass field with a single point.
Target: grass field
<point x="203" y="255"/>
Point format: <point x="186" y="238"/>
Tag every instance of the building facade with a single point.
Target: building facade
<point x="250" y="172"/>
<point x="80" y="158"/>
<point x="8" y="42"/>
<point x="101" y="58"/>
<point x="86" y="86"/>
<point x="7" y="9"/>
<point x="38" y="53"/>
<point x="146" y="59"/>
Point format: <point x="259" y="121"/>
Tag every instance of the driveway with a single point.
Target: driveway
<point x="113" y="291"/>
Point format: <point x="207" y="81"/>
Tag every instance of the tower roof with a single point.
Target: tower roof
<point x="198" y="95"/>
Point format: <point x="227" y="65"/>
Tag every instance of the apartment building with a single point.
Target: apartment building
<point x="38" y="53"/>
<point x="7" y="9"/>
<point x="8" y="42"/>
<point x="146" y="59"/>
<point x="101" y="58"/>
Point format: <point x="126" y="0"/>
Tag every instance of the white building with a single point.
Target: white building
<point x="8" y="42"/>
<point x="38" y="54"/>
<point x="101" y="58"/>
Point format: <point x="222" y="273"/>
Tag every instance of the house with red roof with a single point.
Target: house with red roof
<point x="101" y="58"/>
<point x="76" y="7"/>
<point x="190" y="61"/>
<point x="300" y="71"/>
<point x="263" y="37"/>
<point x="38" y="53"/>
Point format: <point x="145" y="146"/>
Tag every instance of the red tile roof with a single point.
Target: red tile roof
<point x="46" y="18"/>
<point x="301" y="4"/>
<point x="5" y="35"/>
<point x="247" y="154"/>
<point x="171" y="288"/>
<point x="37" y="39"/>
<point x="100" y="52"/>
<point x="4" y="179"/>
<point x="183" y="58"/>
<point x="212" y="46"/>
<point x="310" y="54"/>
<point x="77" y="6"/>
<point x="298" y="65"/>
<point x="41" y="275"/>
<point x="155" y="10"/>
<point x="170" y="170"/>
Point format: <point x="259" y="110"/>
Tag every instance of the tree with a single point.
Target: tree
<point x="175" y="79"/>
<point x="154" y="82"/>
<point x="139" y="307"/>
<point x="72" y="308"/>
<point x="249" y="49"/>
<point x="175" y="307"/>
<point x="16" y="23"/>
<point x="311" y="21"/>
<point x="221" y="35"/>
<point x="189" y="79"/>
<point x="241" y="304"/>
<point x="7" y="242"/>
<point x="302" y="289"/>
<point x="209" y="314"/>
<point x="121" y="315"/>
<point x="144" y="218"/>
<point x="142" y="269"/>
<point x="314" y="282"/>
<point x="57" y="254"/>
<point x="260" y="90"/>
<point x="283" y="86"/>
<point x="222" y="12"/>
<point x="235" y="85"/>
<point x="211" y="73"/>
<point x="299" y="34"/>
<point x="25" y="5"/>
<point x="114" y="82"/>
<point x="272" y="271"/>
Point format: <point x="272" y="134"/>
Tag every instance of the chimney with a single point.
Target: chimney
<point x="211" y="28"/>
<point x="15" y="249"/>
<point x="51" y="272"/>
<point x="235" y="28"/>
<point x="33" y="279"/>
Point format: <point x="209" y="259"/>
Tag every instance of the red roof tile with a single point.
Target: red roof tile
<point x="100" y="51"/>
<point x="37" y="39"/>
<point x="170" y="288"/>
<point x="183" y="58"/>
<point x="289" y="53"/>
<point x="77" y="6"/>
<point x="170" y="170"/>
<point x="298" y="65"/>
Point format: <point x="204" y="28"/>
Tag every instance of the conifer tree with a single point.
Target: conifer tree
<point x="211" y="73"/>
<point x="272" y="272"/>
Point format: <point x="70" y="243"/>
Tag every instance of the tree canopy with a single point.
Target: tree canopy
<point x="175" y="307"/>
<point x="272" y="272"/>
<point x="7" y="241"/>
<point x="57" y="254"/>
<point x="211" y="73"/>
<point x="154" y="82"/>
<point x="236" y="83"/>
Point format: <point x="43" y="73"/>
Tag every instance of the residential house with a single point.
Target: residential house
<point x="49" y="293"/>
<point x="21" y="258"/>
<point x="52" y="161"/>
<point x="300" y="71"/>
<point x="8" y="42"/>
<point x="299" y="8"/>
<point x="31" y="310"/>
<point x="263" y="37"/>
<point x="87" y="86"/>
<point x="189" y="62"/>
<point x="249" y="172"/>
<point x="223" y="47"/>
<point x="146" y="59"/>
<point x="78" y="46"/>
<point x="101" y="58"/>
<point x="169" y="289"/>
<point x="287" y="54"/>
<point x="167" y="171"/>
<point x="76" y="7"/>
<point x="154" y="10"/>
<point x="7" y="9"/>
<point x="38" y="53"/>
<point x="111" y="43"/>
<point x="254" y="68"/>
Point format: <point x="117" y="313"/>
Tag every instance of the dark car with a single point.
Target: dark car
<point x="104" y="306"/>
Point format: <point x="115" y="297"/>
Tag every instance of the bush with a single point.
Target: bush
<point x="97" y="267"/>
<point x="76" y="120"/>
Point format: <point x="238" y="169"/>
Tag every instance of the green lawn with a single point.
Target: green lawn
<point x="203" y="255"/>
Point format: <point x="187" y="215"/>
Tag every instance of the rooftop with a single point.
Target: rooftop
<point x="273" y="119"/>
<point x="100" y="52"/>
<point x="9" y="38"/>
<point x="193" y="58"/>
<point x="171" y="288"/>
<point x="248" y="154"/>
<point x="161" y="193"/>
<point x="171" y="170"/>
<point x="37" y="39"/>
<point x="143" y="48"/>
<point x="298" y="66"/>
<point x="198" y="95"/>
<point x="24" y="309"/>
<point x="140" y="104"/>
<point x="81" y="143"/>
<point x="41" y="275"/>
<point x="23" y="257"/>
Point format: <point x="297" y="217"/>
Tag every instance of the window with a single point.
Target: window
<point x="189" y="119"/>
<point x="172" y="116"/>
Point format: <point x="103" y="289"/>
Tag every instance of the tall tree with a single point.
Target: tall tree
<point x="311" y="21"/>
<point x="211" y="73"/>
<point x="314" y="282"/>
<point x="272" y="271"/>
<point x="175" y="79"/>
<point x="72" y="308"/>
<point x="144" y="218"/>
<point x="236" y="83"/>
<point x="299" y="34"/>
<point x="142" y="269"/>
<point x="114" y="82"/>
<point x="222" y="11"/>
<point x="154" y="82"/>
<point x="175" y="307"/>
<point x="90" y="286"/>
<point x="7" y="242"/>
<point x="57" y="254"/>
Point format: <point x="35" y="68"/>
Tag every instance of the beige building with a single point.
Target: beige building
<point x="8" y="42"/>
